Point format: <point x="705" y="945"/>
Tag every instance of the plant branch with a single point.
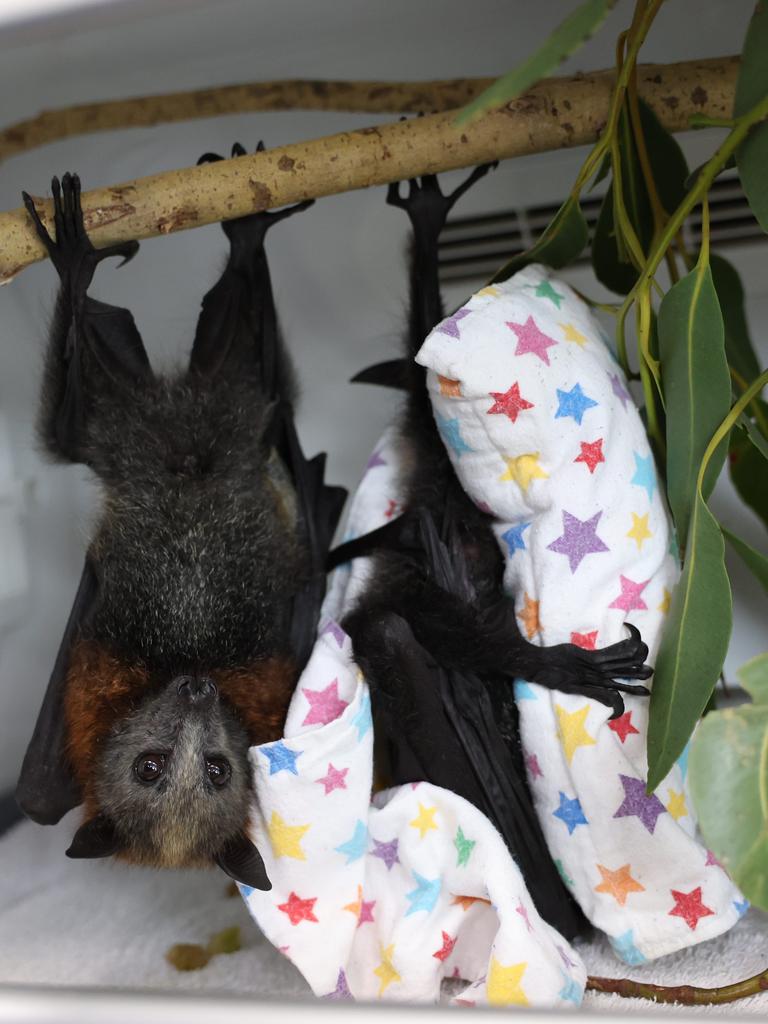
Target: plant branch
<point x="249" y="97"/>
<point x="688" y="995"/>
<point x="557" y="113"/>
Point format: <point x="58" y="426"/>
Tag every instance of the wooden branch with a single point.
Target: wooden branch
<point x="557" y="113"/>
<point x="292" y="94"/>
<point x="688" y="995"/>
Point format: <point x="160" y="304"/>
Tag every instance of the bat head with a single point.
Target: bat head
<point x="170" y="785"/>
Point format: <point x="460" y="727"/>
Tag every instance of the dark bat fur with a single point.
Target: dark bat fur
<point x="204" y="573"/>
<point x="434" y="633"/>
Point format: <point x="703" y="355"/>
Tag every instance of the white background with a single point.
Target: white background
<point x="337" y="270"/>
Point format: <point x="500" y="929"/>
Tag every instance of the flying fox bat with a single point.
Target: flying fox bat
<point x="434" y="633"/>
<point x="202" y="584"/>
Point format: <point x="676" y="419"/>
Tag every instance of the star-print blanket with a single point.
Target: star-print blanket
<point x="384" y="899"/>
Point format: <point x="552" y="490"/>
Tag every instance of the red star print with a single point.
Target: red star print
<point x="299" y="910"/>
<point x="585" y="640"/>
<point x="591" y="453"/>
<point x="511" y="402"/>
<point x="622" y="726"/>
<point x="448" y="944"/>
<point x="688" y="905"/>
<point x="366" y="912"/>
<point x="391" y="508"/>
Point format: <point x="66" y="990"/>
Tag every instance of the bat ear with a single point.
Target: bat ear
<point x="95" y="838"/>
<point x="242" y="861"/>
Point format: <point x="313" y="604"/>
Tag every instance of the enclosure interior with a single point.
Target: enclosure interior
<point x="339" y="280"/>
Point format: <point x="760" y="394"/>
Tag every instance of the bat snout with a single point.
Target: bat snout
<point x="197" y="692"/>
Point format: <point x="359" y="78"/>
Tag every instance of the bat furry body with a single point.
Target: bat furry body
<point x="434" y="632"/>
<point x="203" y="578"/>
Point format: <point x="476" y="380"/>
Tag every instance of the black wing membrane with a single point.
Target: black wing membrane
<point x="91" y="344"/>
<point x="46" y="789"/>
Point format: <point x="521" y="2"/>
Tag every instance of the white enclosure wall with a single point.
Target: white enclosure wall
<point x="338" y="270"/>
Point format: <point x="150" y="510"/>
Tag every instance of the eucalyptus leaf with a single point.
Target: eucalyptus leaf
<point x="751" y="88"/>
<point x="749" y="473"/>
<point x="738" y="346"/>
<point x="565" y="40"/>
<point x="561" y="242"/>
<point x="753" y="676"/>
<point x="670" y="170"/>
<point x="753" y="559"/>
<point x="729" y="783"/>
<point x="693" y="645"/>
<point x="756" y="435"/>
<point x="697" y="388"/>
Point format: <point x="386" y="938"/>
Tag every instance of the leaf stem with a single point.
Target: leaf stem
<point x="752" y="391"/>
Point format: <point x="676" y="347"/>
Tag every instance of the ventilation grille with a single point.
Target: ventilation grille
<point x="473" y="248"/>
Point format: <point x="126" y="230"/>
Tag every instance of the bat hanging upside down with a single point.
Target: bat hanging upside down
<point x="435" y="634"/>
<point x="199" y="601"/>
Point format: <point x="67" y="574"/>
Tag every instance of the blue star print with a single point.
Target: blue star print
<point x="742" y="906"/>
<point x="245" y="890"/>
<point x="645" y="473"/>
<point x="362" y="720"/>
<point x="355" y="847"/>
<point x="570" y="812"/>
<point x="682" y="761"/>
<point x="523" y="690"/>
<point x="573" y="403"/>
<point x="571" y="990"/>
<point x="280" y="758"/>
<point x="513" y="538"/>
<point x="424" y="897"/>
<point x="624" y="947"/>
<point x="449" y="431"/>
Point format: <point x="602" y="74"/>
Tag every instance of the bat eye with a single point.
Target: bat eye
<point x="149" y="767"/>
<point x="219" y="770"/>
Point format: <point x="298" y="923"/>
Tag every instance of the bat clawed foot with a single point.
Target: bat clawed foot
<point x="71" y="251"/>
<point x="426" y="205"/>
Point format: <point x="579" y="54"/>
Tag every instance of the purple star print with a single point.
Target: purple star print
<point x="449" y="326"/>
<point x="618" y="389"/>
<point x="637" y="804"/>
<point x="578" y="540"/>
<point x="342" y="989"/>
<point x="336" y="632"/>
<point x="386" y="852"/>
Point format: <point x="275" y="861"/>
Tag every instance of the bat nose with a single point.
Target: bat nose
<point x="198" y="691"/>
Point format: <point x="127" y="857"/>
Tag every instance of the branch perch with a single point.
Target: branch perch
<point x="292" y="94"/>
<point x="688" y="995"/>
<point x="556" y="113"/>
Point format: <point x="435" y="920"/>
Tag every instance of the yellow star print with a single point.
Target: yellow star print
<point x="523" y="469"/>
<point x="386" y="972"/>
<point x="676" y="805"/>
<point x="571" y="334"/>
<point x="570" y="728"/>
<point x="286" y="839"/>
<point x="618" y="884"/>
<point x="664" y="606"/>
<point x="424" y="820"/>
<point x="639" y="531"/>
<point x="491" y="290"/>
<point x="503" y="986"/>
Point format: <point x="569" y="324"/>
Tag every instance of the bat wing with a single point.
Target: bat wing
<point x="46" y="789"/>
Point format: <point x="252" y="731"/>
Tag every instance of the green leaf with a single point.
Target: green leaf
<point x="738" y="346"/>
<point x="697" y="389"/>
<point x="560" y="243"/>
<point x="670" y="170"/>
<point x="756" y="436"/>
<point x="729" y="783"/>
<point x="754" y="678"/>
<point x="755" y="562"/>
<point x="565" y="40"/>
<point x="749" y="472"/>
<point x="693" y="645"/>
<point x="751" y="88"/>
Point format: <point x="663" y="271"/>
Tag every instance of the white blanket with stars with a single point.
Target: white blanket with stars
<point x="384" y="899"/>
